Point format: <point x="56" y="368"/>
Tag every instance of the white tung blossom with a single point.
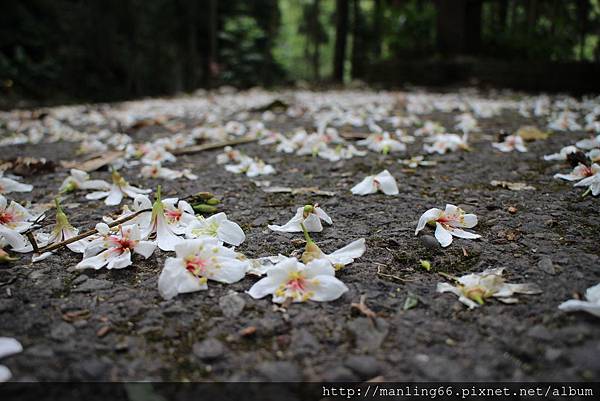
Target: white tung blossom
<point x="510" y="143"/>
<point x="114" y="249"/>
<point x="81" y="180"/>
<point x="216" y="226"/>
<point x="8" y="185"/>
<point x="299" y="282"/>
<point x="383" y="182"/>
<point x="309" y="215"/>
<point x="119" y="188"/>
<point x="449" y="222"/>
<point x="8" y="347"/>
<point x="473" y="289"/>
<point x="591" y="304"/>
<point x="14" y="220"/>
<point x="196" y="262"/>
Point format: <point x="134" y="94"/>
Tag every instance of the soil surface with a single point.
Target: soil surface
<point x="113" y="325"/>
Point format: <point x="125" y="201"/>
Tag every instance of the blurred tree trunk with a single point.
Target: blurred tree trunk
<point x="377" y="29"/>
<point x="583" y="10"/>
<point x="314" y="33"/>
<point x="211" y="63"/>
<point x="502" y="20"/>
<point x="359" y="59"/>
<point x="459" y="26"/>
<point x="341" y="34"/>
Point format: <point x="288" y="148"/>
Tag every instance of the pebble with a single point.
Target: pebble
<point x="279" y="371"/>
<point x="80" y="279"/>
<point x="62" y="331"/>
<point x="209" y="349"/>
<point x="93" y="284"/>
<point x="545" y="265"/>
<point x="366" y="367"/>
<point x="367" y="335"/>
<point x="429" y="242"/>
<point x="232" y="304"/>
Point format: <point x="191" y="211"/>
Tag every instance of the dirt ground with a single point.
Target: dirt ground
<point x="551" y="240"/>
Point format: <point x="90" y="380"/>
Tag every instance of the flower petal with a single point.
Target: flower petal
<point x="442" y="235"/>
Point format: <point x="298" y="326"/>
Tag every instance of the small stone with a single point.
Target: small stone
<point x="365" y="366"/>
<point x="232" y="304"/>
<point x="208" y="349"/>
<point x="62" y="331"/>
<point x="429" y="242"/>
<point x="80" y="279"/>
<point x="545" y="264"/>
<point x="539" y="332"/>
<point x="339" y="374"/>
<point x="368" y="334"/>
<point x="93" y="284"/>
<point x="279" y="371"/>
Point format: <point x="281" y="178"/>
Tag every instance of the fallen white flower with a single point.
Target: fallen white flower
<point x="309" y="215"/>
<point x="473" y="289"/>
<point x="580" y="172"/>
<point x="8" y="347"/>
<point x="382" y="142"/>
<point x="196" y="262"/>
<point x="114" y="250"/>
<point x="216" y="226"/>
<point x="8" y="185"/>
<point x="14" y="220"/>
<point x="383" y="182"/>
<point x="590" y="305"/>
<point x="510" y="143"/>
<point x="592" y="182"/>
<point x="168" y="220"/>
<point x="157" y="171"/>
<point x="62" y="231"/>
<point x="562" y="155"/>
<point x="291" y="279"/>
<point x="119" y="188"/>
<point x="448" y="223"/>
<point x="81" y="180"/>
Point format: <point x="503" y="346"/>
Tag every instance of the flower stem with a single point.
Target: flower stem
<point x="306" y="235"/>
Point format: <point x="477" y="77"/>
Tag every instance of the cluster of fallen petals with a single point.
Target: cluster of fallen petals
<point x="204" y="249"/>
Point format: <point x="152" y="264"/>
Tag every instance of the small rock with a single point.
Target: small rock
<point x="232" y="304"/>
<point x="339" y="374"/>
<point x="368" y="335"/>
<point x="93" y="369"/>
<point x="305" y="342"/>
<point x="93" y="284"/>
<point x="208" y="349"/>
<point x="279" y="371"/>
<point x="80" y="279"/>
<point x="429" y="242"/>
<point x="39" y="351"/>
<point x="545" y="264"/>
<point x="365" y="366"/>
<point x="62" y="331"/>
<point x="539" y="332"/>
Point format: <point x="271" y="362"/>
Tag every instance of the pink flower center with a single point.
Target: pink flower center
<point x="6" y="218"/>
<point x="122" y="244"/>
<point x="297" y="284"/>
<point x="173" y="215"/>
<point x="196" y="265"/>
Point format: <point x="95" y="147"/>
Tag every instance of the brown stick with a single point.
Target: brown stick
<point x="91" y="232"/>
<point x="217" y="145"/>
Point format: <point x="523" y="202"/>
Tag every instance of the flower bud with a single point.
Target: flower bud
<point x="203" y="208"/>
<point x="5" y="257"/>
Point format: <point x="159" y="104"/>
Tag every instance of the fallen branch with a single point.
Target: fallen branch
<point x="216" y="145"/>
<point x="86" y="234"/>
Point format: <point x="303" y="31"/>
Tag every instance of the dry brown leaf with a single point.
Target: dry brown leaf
<point x="94" y="163"/>
<point x="531" y="133"/>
